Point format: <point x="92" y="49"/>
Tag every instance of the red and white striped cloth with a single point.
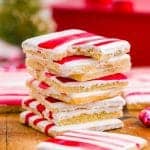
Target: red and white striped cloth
<point x="9" y="52"/>
<point x="12" y="87"/>
<point x="88" y="140"/>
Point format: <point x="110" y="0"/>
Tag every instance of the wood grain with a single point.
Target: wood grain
<point x="15" y="136"/>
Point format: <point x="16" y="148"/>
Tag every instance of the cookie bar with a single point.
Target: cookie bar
<point x="58" y="45"/>
<point x="56" y="105"/>
<point x="72" y="98"/>
<point x="48" y="127"/>
<point x="66" y="85"/>
<point x="98" y="111"/>
<point x="81" y="67"/>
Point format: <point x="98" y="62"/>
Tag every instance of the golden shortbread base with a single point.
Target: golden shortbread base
<point x="138" y="106"/>
<point x="83" y="118"/>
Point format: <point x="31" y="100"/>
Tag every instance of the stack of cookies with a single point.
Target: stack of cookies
<point x="77" y="81"/>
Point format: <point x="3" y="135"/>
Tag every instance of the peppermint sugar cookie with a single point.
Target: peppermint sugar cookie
<point x="67" y="85"/>
<point x="75" y="42"/>
<point x="72" y="98"/>
<point x="49" y="128"/>
<point x="79" y="67"/>
<point x="110" y="109"/>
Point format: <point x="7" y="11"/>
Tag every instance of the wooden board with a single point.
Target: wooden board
<point x="15" y="136"/>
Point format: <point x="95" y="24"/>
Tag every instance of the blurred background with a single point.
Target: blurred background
<point x="21" y="19"/>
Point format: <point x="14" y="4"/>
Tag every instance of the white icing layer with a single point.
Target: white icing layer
<point x="63" y="48"/>
<point x="33" y="42"/>
<point x="111" y="47"/>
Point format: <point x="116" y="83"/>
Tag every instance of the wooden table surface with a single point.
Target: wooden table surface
<point x="15" y="136"/>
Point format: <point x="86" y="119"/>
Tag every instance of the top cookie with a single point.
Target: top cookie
<point x="58" y="45"/>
